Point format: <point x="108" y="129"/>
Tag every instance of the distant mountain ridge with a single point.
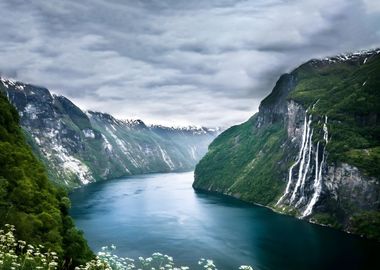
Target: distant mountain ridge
<point x="80" y="147"/>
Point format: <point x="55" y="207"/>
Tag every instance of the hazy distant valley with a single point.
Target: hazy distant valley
<point x="81" y="147"/>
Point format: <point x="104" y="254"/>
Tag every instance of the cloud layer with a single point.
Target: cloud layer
<point x="175" y="62"/>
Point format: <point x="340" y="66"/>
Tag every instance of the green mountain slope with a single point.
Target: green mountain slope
<point x="312" y="150"/>
<point x="349" y="94"/>
<point x="29" y="200"/>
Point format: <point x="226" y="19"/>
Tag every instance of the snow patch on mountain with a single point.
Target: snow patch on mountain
<point x="72" y="165"/>
<point x="362" y="54"/>
<point x="89" y="133"/>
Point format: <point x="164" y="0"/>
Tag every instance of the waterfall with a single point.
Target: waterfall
<point x="295" y="164"/>
<point x="318" y="173"/>
<point x="304" y="160"/>
<point x="302" y="187"/>
<point x="325" y="131"/>
<point x="302" y="171"/>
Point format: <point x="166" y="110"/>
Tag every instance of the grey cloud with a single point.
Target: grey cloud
<point x="175" y="62"/>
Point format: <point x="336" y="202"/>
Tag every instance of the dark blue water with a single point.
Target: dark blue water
<point x="161" y="212"/>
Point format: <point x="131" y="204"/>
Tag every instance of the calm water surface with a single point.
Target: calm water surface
<point x="161" y="212"/>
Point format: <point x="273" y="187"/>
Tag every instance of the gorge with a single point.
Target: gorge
<point x="189" y="135"/>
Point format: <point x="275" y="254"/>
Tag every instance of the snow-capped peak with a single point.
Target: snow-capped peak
<point x="361" y="54"/>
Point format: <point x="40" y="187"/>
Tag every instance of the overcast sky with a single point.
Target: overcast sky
<point x="175" y="62"/>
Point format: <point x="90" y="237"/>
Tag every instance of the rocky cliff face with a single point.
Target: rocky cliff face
<point x="80" y="147"/>
<point x="314" y="185"/>
<point x="312" y="150"/>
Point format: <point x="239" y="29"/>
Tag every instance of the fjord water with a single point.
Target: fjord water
<point x="161" y="212"/>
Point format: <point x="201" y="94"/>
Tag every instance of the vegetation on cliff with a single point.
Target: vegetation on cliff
<point x="348" y="92"/>
<point x="252" y="160"/>
<point x="29" y="201"/>
<point x="244" y="152"/>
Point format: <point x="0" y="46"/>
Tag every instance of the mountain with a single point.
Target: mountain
<point x="80" y="147"/>
<point x="28" y="200"/>
<point x="312" y="150"/>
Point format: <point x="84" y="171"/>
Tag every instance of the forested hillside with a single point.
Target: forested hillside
<point x="30" y="201"/>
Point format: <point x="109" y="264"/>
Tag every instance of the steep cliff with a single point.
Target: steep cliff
<point x="312" y="150"/>
<point x="28" y="200"/>
<point x="80" y="147"/>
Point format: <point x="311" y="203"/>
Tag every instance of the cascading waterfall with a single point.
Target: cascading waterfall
<point x="325" y="131"/>
<point x="304" y="161"/>
<point x="303" y="169"/>
<point x="302" y="187"/>
<point x="318" y="173"/>
<point x="287" y="190"/>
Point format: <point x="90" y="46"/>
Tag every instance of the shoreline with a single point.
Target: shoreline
<point x="213" y="192"/>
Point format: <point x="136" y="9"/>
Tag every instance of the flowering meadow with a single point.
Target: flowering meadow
<point x="19" y="255"/>
<point x="16" y="255"/>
